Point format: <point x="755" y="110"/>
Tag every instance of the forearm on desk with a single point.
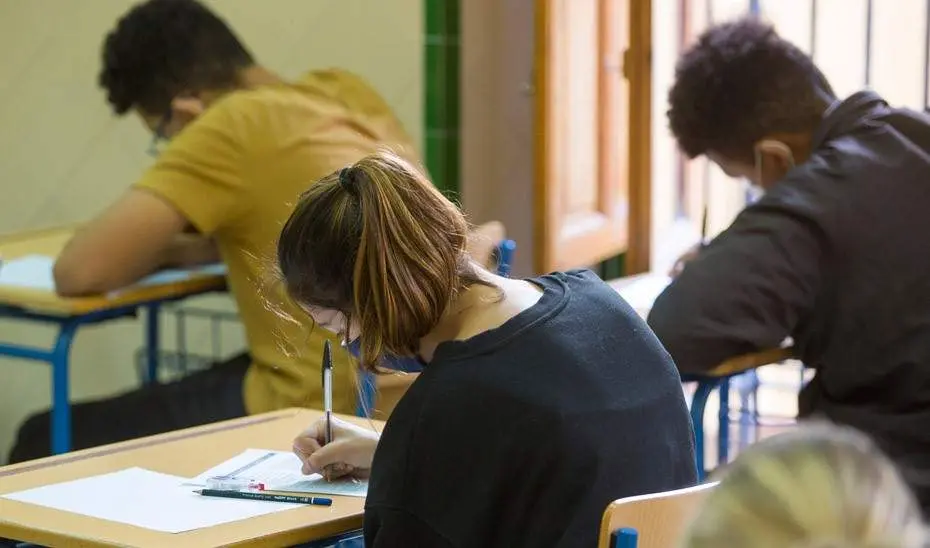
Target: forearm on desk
<point x="746" y="362"/>
<point x="190" y="250"/>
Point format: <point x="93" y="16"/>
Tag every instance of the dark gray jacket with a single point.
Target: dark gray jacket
<point x="836" y="256"/>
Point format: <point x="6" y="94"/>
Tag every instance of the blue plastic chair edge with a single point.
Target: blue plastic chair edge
<point x="625" y="537"/>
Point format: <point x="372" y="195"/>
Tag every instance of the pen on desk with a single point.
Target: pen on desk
<point x="268" y="497"/>
<point x="328" y="391"/>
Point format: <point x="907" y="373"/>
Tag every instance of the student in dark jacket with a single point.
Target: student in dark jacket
<point x="835" y="255"/>
<point x="540" y="400"/>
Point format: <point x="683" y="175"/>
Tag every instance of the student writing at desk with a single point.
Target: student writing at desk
<point x="240" y="144"/>
<point x="540" y="400"/>
<point x="836" y="254"/>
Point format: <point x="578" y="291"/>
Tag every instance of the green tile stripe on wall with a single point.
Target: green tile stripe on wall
<point x="441" y="93"/>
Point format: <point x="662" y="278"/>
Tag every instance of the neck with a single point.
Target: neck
<point x="251" y="77"/>
<point x="801" y="148"/>
<point x="257" y="76"/>
<point x="457" y="314"/>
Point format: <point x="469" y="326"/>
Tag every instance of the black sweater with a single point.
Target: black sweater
<point x="836" y="256"/>
<point x="522" y="435"/>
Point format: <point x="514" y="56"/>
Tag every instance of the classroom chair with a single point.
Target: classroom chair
<point x="487" y="244"/>
<point x="651" y="521"/>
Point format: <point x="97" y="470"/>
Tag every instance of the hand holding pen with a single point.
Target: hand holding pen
<point x="692" y="252"/>
<point x="348" y="454"/>
<point x="331" y="447"/>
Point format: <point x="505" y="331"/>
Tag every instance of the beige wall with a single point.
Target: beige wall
<point x="63" y="156"/>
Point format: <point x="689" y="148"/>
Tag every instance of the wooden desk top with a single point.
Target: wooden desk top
<point x="733" y="365"/>
<point x="184" y="453"/>
<point x="50" y="242"/>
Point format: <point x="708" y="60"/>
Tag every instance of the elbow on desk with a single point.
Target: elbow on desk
<point x="73" y="281"/>
<point x="689" y="355"/>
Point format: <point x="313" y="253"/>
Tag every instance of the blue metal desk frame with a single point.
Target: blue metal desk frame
<point x="706" y="386"/>
<point x="707" y="383"/>
<point x="58" y="357"/>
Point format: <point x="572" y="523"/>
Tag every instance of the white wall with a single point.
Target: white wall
<point x="897" y="72"/>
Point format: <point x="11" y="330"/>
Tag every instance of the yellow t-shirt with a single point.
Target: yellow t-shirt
<point x="236" y="173"/>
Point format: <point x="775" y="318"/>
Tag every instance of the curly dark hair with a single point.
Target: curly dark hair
<point x="161" y="48"/>
<point x="739" y="83"/>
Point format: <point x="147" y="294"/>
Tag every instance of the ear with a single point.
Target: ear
<point x="777" y="152"/>
<point x="773" y="160"/>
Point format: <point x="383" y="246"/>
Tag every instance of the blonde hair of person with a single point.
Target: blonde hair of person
<point x="820" y="486"/>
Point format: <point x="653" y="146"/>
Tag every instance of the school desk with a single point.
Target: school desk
<point x="715" y="379"/>
<point x="184" y="453"/>
<point x="43" y="306"/>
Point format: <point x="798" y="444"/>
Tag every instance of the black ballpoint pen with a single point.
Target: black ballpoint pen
<point x="328" y="391"/>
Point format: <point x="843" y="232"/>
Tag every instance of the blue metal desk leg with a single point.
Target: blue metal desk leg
<point x="723" y="438"/>
<point x="152" y="344"/>
<point x="61" y="397"/>
<point x="698" y="403"/>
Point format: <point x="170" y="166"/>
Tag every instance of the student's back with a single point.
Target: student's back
<point x="522" y="435"/>
<point x="864" y="195"/>
<point x="540" y="400"/>
<point x="869" y="336"/>
<point x="241" y="144"/>
<point x="237" y="172"/>
<point x="835" y="255"/>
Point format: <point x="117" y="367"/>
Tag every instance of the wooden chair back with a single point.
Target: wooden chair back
<point x="651" y="521"/>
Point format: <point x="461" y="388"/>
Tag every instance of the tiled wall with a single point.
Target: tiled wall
<point x="441" y="92"/>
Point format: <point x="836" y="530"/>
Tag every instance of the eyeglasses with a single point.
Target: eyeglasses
<point x="159" y="138"/>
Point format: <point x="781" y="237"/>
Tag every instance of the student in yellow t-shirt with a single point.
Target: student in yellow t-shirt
<point x="240" y="146"/>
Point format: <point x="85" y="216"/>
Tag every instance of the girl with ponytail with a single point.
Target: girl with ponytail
<point x="540" y="401"/>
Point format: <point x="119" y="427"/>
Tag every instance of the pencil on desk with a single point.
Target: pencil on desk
<point x="268" y="497"/>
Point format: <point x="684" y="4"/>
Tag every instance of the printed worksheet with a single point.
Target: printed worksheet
<point x="280" y="471"/>
<point x="35" y="272"/>
<point x="146" y="499"/>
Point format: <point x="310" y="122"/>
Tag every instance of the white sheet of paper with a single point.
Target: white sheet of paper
<point x="146" y="499"/>
<point x="32" y="271"/>
<point x="642" y="293"/>
<point x="280" y="471"/>
<point x="35" y="272"/>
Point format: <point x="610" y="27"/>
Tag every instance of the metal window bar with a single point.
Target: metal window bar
<point x="868" y="43"/>
<point x="927" y="56"/>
